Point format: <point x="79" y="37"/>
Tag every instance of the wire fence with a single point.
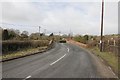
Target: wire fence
<point x="108" y="45"/>
<point x="111" y="46"/>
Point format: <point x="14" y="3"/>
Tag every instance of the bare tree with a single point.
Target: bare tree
<point x="24" y="34"/>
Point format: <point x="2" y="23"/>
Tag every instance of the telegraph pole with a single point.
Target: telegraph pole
<point x="101" y="41"/>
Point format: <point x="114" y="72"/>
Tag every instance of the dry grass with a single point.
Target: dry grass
<point x="23" y="53"/>
<point x="109" y="57"/>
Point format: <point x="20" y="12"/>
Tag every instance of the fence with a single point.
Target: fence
<point x="110" y="46"/>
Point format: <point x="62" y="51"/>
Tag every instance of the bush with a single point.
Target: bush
<point x="18" y="45"/>
<point x="80" y="39"/>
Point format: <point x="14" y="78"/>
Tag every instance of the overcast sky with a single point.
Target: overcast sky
<point x="78" y="17"/>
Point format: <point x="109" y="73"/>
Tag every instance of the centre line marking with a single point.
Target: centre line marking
<point x="68" y="49"/>
<point x="27" y="77"/>
<point x="58" y="60"/>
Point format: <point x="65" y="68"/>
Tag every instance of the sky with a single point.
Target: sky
<point x="79" y="17"/>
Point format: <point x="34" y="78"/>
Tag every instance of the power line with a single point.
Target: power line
<point x="3" y="23"/>
<point x="12" y="24"/>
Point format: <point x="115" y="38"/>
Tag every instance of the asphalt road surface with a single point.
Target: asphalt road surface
<point x="63" y="61"/>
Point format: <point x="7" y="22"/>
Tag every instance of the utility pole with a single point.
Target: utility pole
<point x="101" y="41"/>
<point x="39" y="30"/>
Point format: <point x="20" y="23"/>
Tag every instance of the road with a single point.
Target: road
<point x="63" y="61"/>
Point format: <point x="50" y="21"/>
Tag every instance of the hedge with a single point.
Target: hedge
<point x="18" y="45"/>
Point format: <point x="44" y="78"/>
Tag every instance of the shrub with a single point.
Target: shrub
<point x="17" y="45"/>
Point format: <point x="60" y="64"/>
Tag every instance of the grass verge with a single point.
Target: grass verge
<point x="110" y="58"/>
<point x="23" y="52"/>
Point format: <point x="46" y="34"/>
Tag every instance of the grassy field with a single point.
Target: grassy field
<point x="24" y="52"/>
<point x="110" y="58"/>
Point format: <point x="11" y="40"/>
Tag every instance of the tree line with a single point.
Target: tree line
<point x="83" y="39"/>
<point x="12" y="34"/>
<point x="9" y="34"/>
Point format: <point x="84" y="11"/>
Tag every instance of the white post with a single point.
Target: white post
<point x="108" y="42"/>
<point x="114" y="43"/>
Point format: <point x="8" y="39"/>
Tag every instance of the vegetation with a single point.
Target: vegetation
<point x="16" y="44"/>
<point x="9" y="46"/>
<point x="109" y="57"/>
<point x="83" y="39"/>
<point x="24" y="34"/>
<point x="110" y="42"/>
<point x="23" y="52"/>
<point x="11" y="34"/>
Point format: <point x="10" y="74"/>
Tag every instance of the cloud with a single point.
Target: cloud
<point x="58" y="0"/>
<point x="79" y="17"/>
<point x="111" y="18"/>
<point x="21" y="12"/>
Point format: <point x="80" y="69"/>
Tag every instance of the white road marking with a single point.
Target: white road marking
<point x="58" y="60"/>
<point x="112" y="71"/>
<point x="68" y="49"/>
<point x="27" y="77"/>
<point x="109" y="68"/>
